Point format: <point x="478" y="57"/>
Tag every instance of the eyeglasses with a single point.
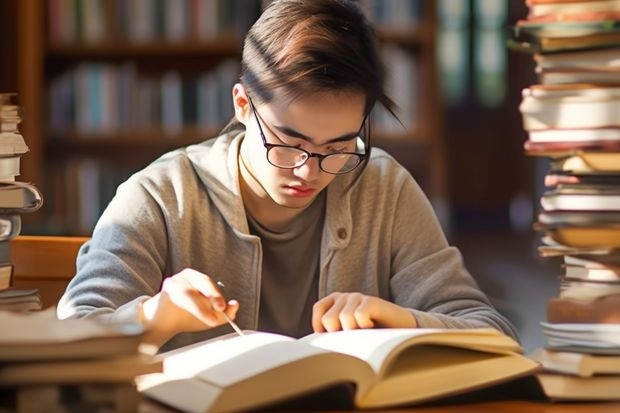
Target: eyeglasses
<point x="289" y="157"/>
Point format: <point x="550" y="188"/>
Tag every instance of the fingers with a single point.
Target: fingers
<point x="231" y="308"/>
<point x="185" y="296"/>
<point x="204" y="285"/>
<point x="343" y="311"/>
<point x="188" y="301"/>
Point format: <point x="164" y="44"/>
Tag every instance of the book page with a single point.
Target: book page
<point x="378" y="346"/>
<point x="229" y="359"/>
<point x="234" y="373"/>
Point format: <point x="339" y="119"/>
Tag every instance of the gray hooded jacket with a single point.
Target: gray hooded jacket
<point x="380" y="238"/>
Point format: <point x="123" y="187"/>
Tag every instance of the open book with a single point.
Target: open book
<point x="386" y="367"/>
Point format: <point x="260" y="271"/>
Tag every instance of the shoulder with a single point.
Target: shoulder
<point x="385" y="171"/>
<point x="185" y="165"/>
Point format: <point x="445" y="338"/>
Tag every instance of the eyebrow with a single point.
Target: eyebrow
<point x="293" y="133"/>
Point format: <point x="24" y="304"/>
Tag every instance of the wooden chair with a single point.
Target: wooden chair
<point x="44" y="262"/>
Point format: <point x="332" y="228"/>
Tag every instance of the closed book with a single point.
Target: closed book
<point x="568" y="310"/>
<point x="576" y="364"/>
<point x="582" y="198"/>
<point x="559" y="178"/>
<point x="42" y="336"/>
<point x="574" y="10"/>
<point x="17" y="197"/>
<point x="570" y="106"/>
<point x="581" y="229"/>
<point x="609" y="259"/>
<point x="6" y="276"/>
<point x="586" y="290"/>
<point x="579" y="31"/>
<point x="560" y="149"/>
<point x="575" y="135"/>
<point x="583" y="236"/>
<point x="121" y="369"/>
<point x="601" y="274"/>
<point x="573" y="388"/>
<point x="14" y="299"/>
<point x="591" y="338"/>
<point x="566" y="76"/>
<point x="587" y="162"/>
<point x="602" y="59"/>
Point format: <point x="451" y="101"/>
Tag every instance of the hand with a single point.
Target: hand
<point x="188" y="301"/>
<point x="350" y="311"/>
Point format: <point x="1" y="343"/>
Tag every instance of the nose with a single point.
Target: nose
<point x="309" y="171"/>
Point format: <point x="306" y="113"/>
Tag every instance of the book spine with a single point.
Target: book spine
<point x="604" y="310"/>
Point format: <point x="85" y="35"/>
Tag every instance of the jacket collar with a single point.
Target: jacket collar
<point x="216" y="164"/>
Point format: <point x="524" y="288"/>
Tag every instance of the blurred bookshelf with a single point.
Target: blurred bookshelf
<point x="107" y="86"/>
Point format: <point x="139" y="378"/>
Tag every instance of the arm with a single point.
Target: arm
<point x="121" y="268"/>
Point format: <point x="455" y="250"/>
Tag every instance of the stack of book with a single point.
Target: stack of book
<point x="572" y="117"/>
<point x="77" y="365"/>
<point x="16" y="198"/>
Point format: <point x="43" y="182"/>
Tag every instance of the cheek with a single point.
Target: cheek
<point x="326" y="179"/>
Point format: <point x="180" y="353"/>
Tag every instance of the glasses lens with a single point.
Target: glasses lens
<point x="340" y="163"/>
<point x="286" y="157"/>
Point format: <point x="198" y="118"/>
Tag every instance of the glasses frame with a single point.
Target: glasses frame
<point x="361" y="157"/>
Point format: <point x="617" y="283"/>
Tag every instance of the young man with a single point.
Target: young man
<point x="289" y="209"/>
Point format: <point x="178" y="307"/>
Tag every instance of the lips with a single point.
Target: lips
<point x="300" y="190"/>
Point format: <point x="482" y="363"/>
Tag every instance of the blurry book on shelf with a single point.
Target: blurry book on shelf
<point x="13" y="299"/>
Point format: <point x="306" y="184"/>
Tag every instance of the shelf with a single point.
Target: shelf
<point x="224" y="45"/>
<point x="121" y="80"/>
<point x="142" y="145"/>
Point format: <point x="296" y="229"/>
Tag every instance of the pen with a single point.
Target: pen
<point x="230" y="321"/>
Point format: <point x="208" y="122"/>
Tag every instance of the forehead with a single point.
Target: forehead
<point x="326" y="114"/>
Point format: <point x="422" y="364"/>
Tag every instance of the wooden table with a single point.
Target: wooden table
<point x="510" y="406"/>
<point x="519" y="406"/>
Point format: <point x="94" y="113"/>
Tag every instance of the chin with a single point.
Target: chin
<point x="292" y="202"/>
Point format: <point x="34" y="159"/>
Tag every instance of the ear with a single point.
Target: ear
<point x="241" y="103"/>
